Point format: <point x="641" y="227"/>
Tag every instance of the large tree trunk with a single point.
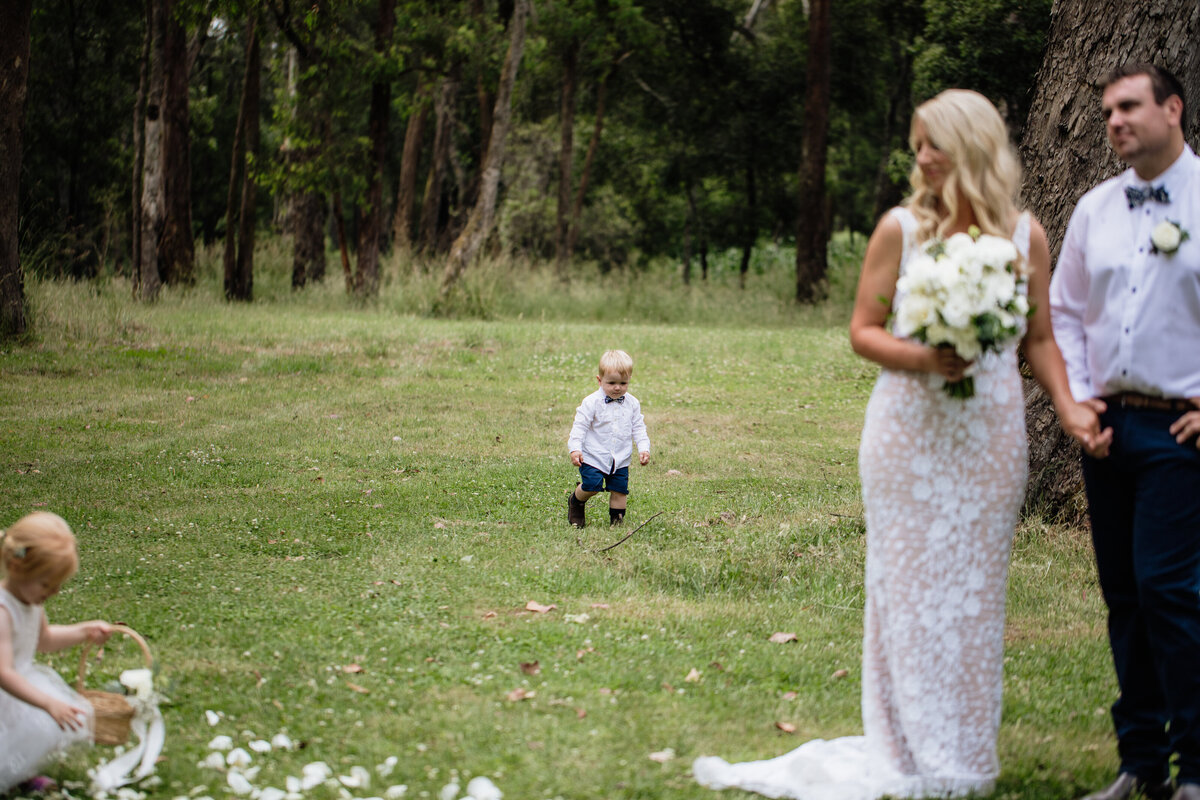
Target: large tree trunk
<point x="14" y="84"/>
<point x="812" y="228"/>
<point x="139" y="150"/>
<point x="147" y="280"/>
<point x="239" y="238"/>
<point x="306" y="217"/>
<point x="1066" y="153"/>
<point x="406" y="188"/>
<point x="469" y="242"/>
<point x="176" y="252"/>
<point x="366" y="282"/>
<point x="444" y="106"/>
<point x="566" y="150"/>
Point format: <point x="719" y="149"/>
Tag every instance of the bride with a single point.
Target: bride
<point x="943" y="480"/>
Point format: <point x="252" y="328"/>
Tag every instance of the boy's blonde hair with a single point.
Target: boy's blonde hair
<point x="39" y="545"/>
<point x="617" y="361"/>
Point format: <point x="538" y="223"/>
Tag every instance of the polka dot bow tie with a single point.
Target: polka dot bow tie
<point x="1137" y="196"/>
<point x="620" y="399"/>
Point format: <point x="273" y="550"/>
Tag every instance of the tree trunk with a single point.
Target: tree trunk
<point x="566" y="151"/>
<point x="139" y="150"/>
<point x="14" y="85"/>
<point x="148" y="281"/>
<point x="1065" y="153"/>
<point x="812" y="229"/>
<point x="482" y="96"/>
<point x="366" y="282"/>
<point x="750" y="220"/>
<point x="177" y="251"/>
<point x="406" y="189"/>
<point x="339" y="225"/>
<point x="444" y="107"/>
<point x="306" y="217"/>
<point x="479" y="225"/>
<point x="586" y="173"/>
<point x="239" y="237"/>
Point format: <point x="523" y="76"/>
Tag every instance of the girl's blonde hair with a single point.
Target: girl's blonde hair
<point x="39" y="545"/>
<point x="985" y="169"/>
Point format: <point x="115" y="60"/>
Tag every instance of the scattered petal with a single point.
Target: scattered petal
<point x="693" y="676"/>
<point x="212" y="718"/>
<point x="281" y="741"/>
<point x="448" y="792"/>
<point x="238" y="758"/>
<point x="221" y="743"/>
<point x="530" y="668"/>
<point x="389" y="764"/>
<point x="214" y="760"/>
<point x="354" y="687"/>
<point x="238" y="782"/>
<point x="781" y="638"/>
<point x="578" y="619"/>
<point x="352" y="668"/>
<point x="482" y="788"/>
<point x="674" y="472"/>
<point x="786" y="727"/>
<point x="662" y="756"/>
<point x="519" y="694"/>
<point x="538" y="608"/>
<point x="599" y="605"/>
<point x="841" y="673"/>
<point x="260" y="746"/>
<point x="396" y="792"/>
<point x="789" y="695"/>
<point x="439" y="525"/>
<point x="271" y="793"/>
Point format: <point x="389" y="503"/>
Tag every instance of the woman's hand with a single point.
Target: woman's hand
<point x="949" y="364"/>
<point x="1081" y="421"/>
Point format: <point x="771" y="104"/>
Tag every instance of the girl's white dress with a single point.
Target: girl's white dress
<point x="943" y="480"/>
<point x="29" y="737"/>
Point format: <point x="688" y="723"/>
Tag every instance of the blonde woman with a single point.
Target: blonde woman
<point x="943" y="480"/>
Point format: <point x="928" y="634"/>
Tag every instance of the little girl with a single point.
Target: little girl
<point x="39" y="714"/>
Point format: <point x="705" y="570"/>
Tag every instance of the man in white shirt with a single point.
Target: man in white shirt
<point x="1125" y="304"/>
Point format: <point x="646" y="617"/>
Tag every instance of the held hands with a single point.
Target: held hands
<point x="948" y="363"/>
<point x="1188" y="426"/>
<point x="1082" y="422"/>
<point x="644" y="457"/>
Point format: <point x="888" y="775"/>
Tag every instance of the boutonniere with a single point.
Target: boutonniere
<point x="1167" y="236"/>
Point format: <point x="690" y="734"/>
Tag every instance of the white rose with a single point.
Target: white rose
<point x="1166" y="237"/>
<point x="138" y="681"/>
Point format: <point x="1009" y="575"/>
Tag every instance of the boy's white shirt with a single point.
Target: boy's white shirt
<point x="603" y="432"/>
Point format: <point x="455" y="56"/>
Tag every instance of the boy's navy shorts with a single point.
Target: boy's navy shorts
<point x="593" y="480"/>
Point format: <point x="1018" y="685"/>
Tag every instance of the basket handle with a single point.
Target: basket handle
<point x="131" y="633"/>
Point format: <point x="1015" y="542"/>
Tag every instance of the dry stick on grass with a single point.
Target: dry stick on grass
<point x="631" y="533"/>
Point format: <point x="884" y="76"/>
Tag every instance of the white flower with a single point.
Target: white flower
<point x="221" y="743"/>
<point x="138" y="681"/>
<point x="238" y="782"/>
<point x="281" y="741"/>
<point x="238" y="757"/>
<point x="1166" y="237"/>
<point x="260" y="746"/>
<point x="357" y="779"/>
<point x="214" y="760"/>
<point x="212" y="717"/>
<point x="482" y="788"/>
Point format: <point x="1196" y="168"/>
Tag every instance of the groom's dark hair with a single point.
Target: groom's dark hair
<point x="1162" y="82"/>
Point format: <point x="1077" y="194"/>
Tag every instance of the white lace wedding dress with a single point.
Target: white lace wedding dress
<point x="943" y="480"/>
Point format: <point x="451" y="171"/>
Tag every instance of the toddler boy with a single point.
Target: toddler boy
<point x="606" y="423"/>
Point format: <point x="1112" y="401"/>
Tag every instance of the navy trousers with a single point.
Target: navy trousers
<point x="1144" y="505"/>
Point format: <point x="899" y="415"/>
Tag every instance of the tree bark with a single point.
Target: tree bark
<point x="366" y="281"/>
<point x="482" y="95"/>
<point x="406" y="189"/>
<point x="177" y="251"/>
<point x="444" y="107"/>
<point x="239" y="251"/>
<point x="139" y="149"/>
<point x="566" y="151"/>
<point x="1065" y="153"/>
<point x="469" y="242"/>
<point x="14" y="86"/>
<point x="812" y="228"/>
<point x="147" y="281"/>
<point x="586" y="172"/>
<point x="306" y="217"/>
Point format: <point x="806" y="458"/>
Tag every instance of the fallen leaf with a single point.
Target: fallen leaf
<point x="538" y="608"/>
<point x="490" y="615"/>
<point x="439" y="525"/>
<point x="780" y="638"/>
<point x="519" y="694"/>
<point x="530" y="667"/>
<point x="789" y="695"/>
<point x="662" y="756"/>
<point x="717" y="666"/>
<point x="354" y="687"/>
<point x="674" y="472"/>
<point x="579" y="654"/>
<point x="786" y="727"/>
<point x="841" y="673"/>
<point x="580" y="713"/>
<point x="352" y="668"/>
<point x="605" y="690"/>
<point x="599" y="605"/>
<point x="693" y="676"/>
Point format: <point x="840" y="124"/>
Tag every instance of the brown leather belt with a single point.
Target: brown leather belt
<point x="1146" y="401"/>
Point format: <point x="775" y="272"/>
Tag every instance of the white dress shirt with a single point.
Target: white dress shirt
<point x="604" y="432"/>
<point x="1128" y="319"/>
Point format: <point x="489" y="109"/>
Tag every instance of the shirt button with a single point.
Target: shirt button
<point x="1124" y="372"/>
<point x="1133" y="290"/>
<point x="1127" y="330"/>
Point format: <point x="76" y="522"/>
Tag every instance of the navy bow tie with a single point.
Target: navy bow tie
<point x="608" y="399"/>
<point x="1137" y="196"/>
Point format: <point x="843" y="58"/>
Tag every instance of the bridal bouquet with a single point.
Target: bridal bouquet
<point x="965" y="293"/>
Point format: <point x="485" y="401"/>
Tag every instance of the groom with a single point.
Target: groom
<point x="1125" y="303"/>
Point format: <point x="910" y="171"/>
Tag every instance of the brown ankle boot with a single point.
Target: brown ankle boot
<point x="616" y="516"/>
<point x="575" y="511"/>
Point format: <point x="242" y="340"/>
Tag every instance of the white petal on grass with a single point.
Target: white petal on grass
<point x="214" y="760"/>
<point x="448" y="792"/>
<point x="396" y="792"/>
<point x="292" y="784"/>
<point x="260" y="746"/>
<point x="221" y="743"/>
<point x="389" y="764"/>
<point x="238" y="757"/>
<point x="281" y="741"/>
<point x="271" y="793"/>
<point x="212" y="717"/>
<point x="482" y="788"/>
<point x="238" y="782"/>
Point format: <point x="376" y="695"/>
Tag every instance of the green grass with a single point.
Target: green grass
<point x="270" y="492"/>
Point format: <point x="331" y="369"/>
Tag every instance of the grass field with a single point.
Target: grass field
<point x="330" y="520"/>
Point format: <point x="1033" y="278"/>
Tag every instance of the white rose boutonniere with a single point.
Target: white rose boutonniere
<point x="1167" y="236"/>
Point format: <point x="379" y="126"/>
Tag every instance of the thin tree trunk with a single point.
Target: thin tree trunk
<point x="15" y="18"/>
<point x="1065" y="154"/>
<point x="339" y="224"/>
<point x="248" y="214"/>
<point x="482" y="96"/>
<point x="406" y="189"/>
<point x="153" y="200"/>
<point x="566" y="150"/>
<point x="177" y="250"/>
<point x="469" y="242"/>
<point x="139" y="150"/>
<point x="689" y="221"/>
<point x="812" y="228"/>
<point x="444" y="107"/>
<point x="306" y="218"/>
<point x="366" y="283"/>
<point x="235" y="198"/>
<point x="586" y="172"/>
<point x="750" y="220"/>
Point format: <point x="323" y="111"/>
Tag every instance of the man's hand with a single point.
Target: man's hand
<point x="1188" y="426"/>
<point x="1095" y="442"/>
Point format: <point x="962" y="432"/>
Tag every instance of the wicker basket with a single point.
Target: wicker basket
<point x="113" y="712"/>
